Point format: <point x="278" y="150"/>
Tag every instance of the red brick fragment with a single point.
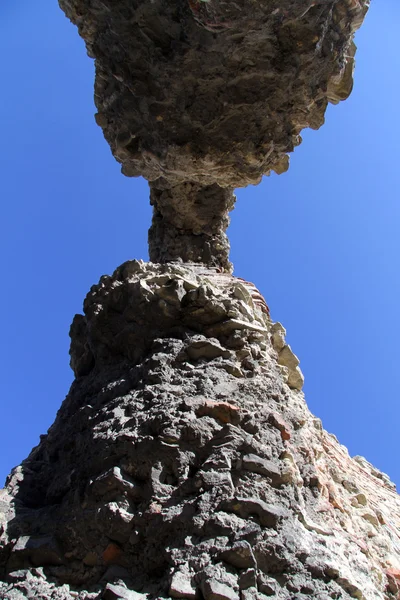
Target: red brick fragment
<point x="395" y="573"/>
<point x="393" y="576"/>
<point x="112" y="553"/>
<point x="277" y="421"/>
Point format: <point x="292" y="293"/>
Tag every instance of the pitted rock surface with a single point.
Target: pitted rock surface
<point x="217" y="91"/>
<point x="184" y="462"/>
<point x="211" y="93"/>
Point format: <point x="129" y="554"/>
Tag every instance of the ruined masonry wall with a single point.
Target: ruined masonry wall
<point x="184" y="462"/>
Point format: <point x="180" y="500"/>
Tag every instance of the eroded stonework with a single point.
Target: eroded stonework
<point x="211" y="93"/>
<point x="184" y="462"/>
<point x="216" y="91"/>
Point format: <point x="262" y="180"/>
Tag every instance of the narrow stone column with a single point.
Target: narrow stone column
<point x="189" y="223"/>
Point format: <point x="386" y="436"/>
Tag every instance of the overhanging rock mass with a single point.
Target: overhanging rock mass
<point x="212" y="94"/>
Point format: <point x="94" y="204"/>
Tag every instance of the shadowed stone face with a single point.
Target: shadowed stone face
<point x="213" y="92"/>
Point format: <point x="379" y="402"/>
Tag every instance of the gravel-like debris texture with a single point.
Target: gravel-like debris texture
<point x="213" y="92"/>
<point x="184" y="462"/>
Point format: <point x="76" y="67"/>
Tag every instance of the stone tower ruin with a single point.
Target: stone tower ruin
<point x="184" y="462"/>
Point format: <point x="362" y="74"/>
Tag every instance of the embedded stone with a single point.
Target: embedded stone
<point x="114" y="480"/>
<point x="267" y="585"/>
<point x="248" y="579"/>
<point x="181" y="586"/>
<point x="38" y="550"/>
<point x="207" y="349"/>
<point x="393" y="576"/>
<point x="115" y="521"/>
<point x="112" y="553"/>
<point x="295" y="379"/>
<point x="119" y="592"/>
<point x="240" y="555"/>
<point x="278" y="334"/>
<point x="216" y="479"/>
<point x="280" y="423"/>
<point x="223" y="411"/>
<point x="286" y="358"/>
<point x="214" y="590"/>
<point x="252" y="594"/>
<point x="268" y="515"/>
<point x="230" y="325"/>
<point x="91" y="559"/>
<point x="231" y="368"/>
<point x="256" y="464"/>
<point x="371" y="518"/>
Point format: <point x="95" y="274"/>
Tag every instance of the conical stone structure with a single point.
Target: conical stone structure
<point x="184" y="462"/>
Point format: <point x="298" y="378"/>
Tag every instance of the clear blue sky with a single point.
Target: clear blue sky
<point x="321" y="242"/>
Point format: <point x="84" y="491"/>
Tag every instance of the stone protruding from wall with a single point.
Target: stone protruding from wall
<point x="184" y="462"/>
<point x="214" y="93"/>
<point x="189" y="223"/>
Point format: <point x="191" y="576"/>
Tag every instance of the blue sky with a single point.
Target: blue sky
<point x="321" y="242"/>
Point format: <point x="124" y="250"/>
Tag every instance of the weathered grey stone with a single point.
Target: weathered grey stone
<point x="12" y="594"/>
<point x="181" y="586"/>
<point x="215" y="479"/>
<point x="252" y="594"/>
<point x="240" y="555"/>
<point x="248" y="579"/>
<point x="119" y="592"/>
<point x="115" y="521"/>
<point x="256" y="464"/>
<point x="181" y="377"/>
<point x="214" y="590"/>
<point x="268" y="514"/>
<point x="267" y="585"/>
<point x="34" y="585"/>
<point x="189" y="222"/>
<point x="114" y="480"/>
<point x="207" y="349"/>
<point x="36" y="550"/>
